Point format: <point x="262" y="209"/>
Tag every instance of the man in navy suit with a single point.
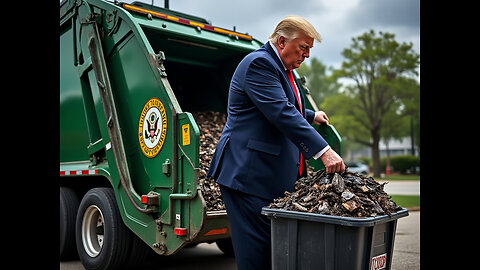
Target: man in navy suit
<point x="266" y="138"/>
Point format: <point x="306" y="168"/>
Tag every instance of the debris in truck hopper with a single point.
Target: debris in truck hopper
<point x="347" y="194"/>
<point x="211" y="125"/>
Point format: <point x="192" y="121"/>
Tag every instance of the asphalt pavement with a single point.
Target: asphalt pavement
<point x="203" y="256"/>
<point x="399" y="187"/>
<point x="406" y="249"/>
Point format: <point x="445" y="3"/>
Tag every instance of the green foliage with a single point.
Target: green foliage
<point x="366" y="160"/>
<point x="382" y="92"/>
<point x="318" y="82"/>
<point x="403" y="163"/>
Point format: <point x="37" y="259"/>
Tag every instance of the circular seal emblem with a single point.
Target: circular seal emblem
<point x="152" y="127"/>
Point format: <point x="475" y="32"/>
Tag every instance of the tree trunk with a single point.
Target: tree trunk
<point x="387" y="166"/>
<point x="376" y="152"/>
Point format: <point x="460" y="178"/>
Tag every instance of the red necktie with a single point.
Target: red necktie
<point x="290" y="77"/>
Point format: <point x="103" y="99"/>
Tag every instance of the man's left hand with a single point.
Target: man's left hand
<point x="320" y="117"/>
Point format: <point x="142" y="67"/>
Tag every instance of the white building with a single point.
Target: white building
<point x="396" y="148"/>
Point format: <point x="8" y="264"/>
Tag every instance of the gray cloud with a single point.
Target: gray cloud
<point x="336" y="21"/>
<point x="388" y="13"/>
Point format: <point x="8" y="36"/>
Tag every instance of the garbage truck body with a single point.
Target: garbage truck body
<point x="130" y="77"/>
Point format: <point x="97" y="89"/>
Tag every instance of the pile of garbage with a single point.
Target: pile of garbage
<point x="346" y="194"/>
<point x="211" y="126"/>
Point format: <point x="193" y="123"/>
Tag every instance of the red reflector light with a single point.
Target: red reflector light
<point x="180" y="231"/>
<point x="144" y="199"/>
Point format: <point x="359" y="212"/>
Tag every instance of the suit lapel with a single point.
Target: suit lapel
<point x="270" y="50"/>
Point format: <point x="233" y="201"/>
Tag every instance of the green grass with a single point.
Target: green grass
<point x="412" y="177"/>
<point x="407" y="201"/>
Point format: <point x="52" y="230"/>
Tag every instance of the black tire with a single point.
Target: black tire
<point x="102" y="238"/>
<point x="68" y="213"/>
<point x="138" y="253"/>
<point x="226" y="246"/>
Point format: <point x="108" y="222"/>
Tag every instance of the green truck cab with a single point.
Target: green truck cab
<point x="130" y="77"/>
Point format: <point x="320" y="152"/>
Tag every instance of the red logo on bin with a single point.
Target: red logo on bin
<point x="379" y="262"/>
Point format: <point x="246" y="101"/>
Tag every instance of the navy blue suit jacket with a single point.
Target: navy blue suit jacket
<point x="258" y="151"/>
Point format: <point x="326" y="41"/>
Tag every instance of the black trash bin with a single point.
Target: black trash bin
<point x="306" y="241"/>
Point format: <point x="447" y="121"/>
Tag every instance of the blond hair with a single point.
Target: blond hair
<point x="291" y="25"/>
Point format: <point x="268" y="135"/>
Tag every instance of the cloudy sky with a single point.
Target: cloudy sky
<point x="337" y="21"/>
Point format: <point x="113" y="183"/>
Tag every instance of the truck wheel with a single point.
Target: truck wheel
<point x="138" y="252"/>
<point x="226" y="246"/>
<point x="102" y="238"/>
<point x="68" y="212"/>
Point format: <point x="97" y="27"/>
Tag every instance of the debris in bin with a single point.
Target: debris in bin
<point x="211" y="125"/>
<point x="347" y="194"/>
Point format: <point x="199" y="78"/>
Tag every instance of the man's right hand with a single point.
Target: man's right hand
<point x="332" y="161"/>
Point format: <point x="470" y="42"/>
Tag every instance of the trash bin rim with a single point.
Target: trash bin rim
<point x="339" y="220"/>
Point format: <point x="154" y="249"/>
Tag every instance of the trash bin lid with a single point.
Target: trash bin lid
<point x="339" y="220"/>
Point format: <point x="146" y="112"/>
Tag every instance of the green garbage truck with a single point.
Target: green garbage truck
<point x="131" y="75"/>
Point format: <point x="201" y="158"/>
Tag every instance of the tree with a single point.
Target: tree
<point x="379" y="68"/>
<point x="319" y="83"/>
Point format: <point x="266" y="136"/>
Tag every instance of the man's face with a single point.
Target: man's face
<point x="293" y="52"/>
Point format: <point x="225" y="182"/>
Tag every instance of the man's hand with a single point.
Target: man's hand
<point x="320" y="117"/>
<point x="332" y="161"/>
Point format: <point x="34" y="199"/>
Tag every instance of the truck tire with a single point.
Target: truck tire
<point x="138" y="252"/>
<point x="102" y="238"/>
<point x="68" y="212"/>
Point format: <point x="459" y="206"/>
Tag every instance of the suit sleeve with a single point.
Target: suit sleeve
<point x="309" y="115"/>
<point x="263" y="87"/>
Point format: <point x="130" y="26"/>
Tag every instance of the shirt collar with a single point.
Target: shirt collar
<point x="276" y="52"/>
